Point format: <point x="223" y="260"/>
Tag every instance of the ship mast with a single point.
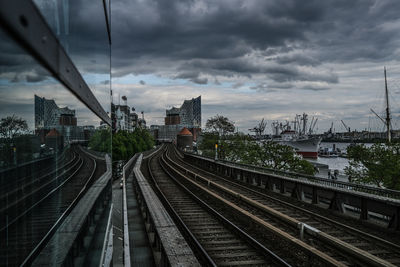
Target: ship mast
<point x="387" y="109"/>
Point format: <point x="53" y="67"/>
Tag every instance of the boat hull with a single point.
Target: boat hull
<point x="308" y="147"/>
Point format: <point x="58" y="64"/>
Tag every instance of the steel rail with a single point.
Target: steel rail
<point x="45" y="197"/>
<point x="200" y="250"/>
<point x="244" y="187"/>
<point x="253" y="242"/>
<point x="40" y="178"/>
<point x="295" y="241"/>
<point x="359" y="254"/>
<point x="29" y="259"/>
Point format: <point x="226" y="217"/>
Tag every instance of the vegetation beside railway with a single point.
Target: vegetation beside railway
<point x="378" y="165"/>
<point x="124" y="144"/>
<point x="238" y="147"/>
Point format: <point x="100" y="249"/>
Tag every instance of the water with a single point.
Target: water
<point x="334" y="163"/>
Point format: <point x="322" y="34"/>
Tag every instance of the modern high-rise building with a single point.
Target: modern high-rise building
<point x="189" y="114"/>
<point x="48" y="115"/>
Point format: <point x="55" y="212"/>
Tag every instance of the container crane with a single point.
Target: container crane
<point x="260" y="128"/>
<point x="345" y="126"/>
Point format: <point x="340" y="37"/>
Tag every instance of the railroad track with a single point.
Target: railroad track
<point x="217" y="242"/>
<point x="347" y="245"/>
<point x="14" y="184"/>
<point x="23" y="237"/>
<point x="22" y="194"/>
<point x="18" y="178"/>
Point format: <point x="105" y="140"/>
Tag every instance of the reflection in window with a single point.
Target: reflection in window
<point x="81" y="27"/>
<point x="45" y="161"/>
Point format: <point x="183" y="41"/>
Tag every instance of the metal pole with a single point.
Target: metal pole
<point x="387" y="109"/>
<point x="216" y="152"/>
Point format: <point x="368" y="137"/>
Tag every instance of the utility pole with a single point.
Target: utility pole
<point x="387" y="109"/>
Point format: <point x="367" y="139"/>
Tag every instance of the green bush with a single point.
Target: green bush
<point x="243" y="149"/>
<point x="126" y="144"/>
<point x="378" y="165"/>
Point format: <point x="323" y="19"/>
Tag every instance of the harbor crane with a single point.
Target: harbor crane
<point x="312" y="125"/>
<point x="331" y="129"/>
<point x="260" y="128"/>
<point x="345" y="126"/>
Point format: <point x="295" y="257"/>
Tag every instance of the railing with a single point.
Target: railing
<point x="328" y="182"/>
<point x="78" y="218"/>
<point x="160" y="226"/>
<point x="126" y="170"/>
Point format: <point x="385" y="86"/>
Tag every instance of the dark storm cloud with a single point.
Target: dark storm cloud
<point x="187" y="75"/>
<point x="298" y="59"/>
<point x="216" y="37"/>
<point x="281" y="40"/>
<point x="247" y="68"/>
<point x="199" y="80"/>
<point x="291" y="73"/>
<point x="81" y="32"/>
<point x="33" y="78"/>
<point x="314" y="88"/>
<point x="192" y="76"/>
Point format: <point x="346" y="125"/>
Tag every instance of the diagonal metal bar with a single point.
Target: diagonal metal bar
<point x="24" y="22"/>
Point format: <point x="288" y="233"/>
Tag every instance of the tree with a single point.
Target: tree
<point x="241" y="148"/>
<point x="12" y="126"/>
<point x="378" y="165"/>
<point x="237" y="147"/>
<point x="208" y="143"/>
<point x="101" y="141"/>
<point x="273" y="155"/>
<point x="220" y="124"/>
<point x="125" y="144"/>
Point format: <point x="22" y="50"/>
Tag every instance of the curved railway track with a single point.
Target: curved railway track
<point x="18" y="196"/>
<point x="15" y="182"/>
<point x="347" y="245"/>
<point x="217" y="242"/>
<point x="31" y="227"/>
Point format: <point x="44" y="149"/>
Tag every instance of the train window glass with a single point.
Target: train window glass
<point x="81" y="28"/>
<point x="51" y="146"/>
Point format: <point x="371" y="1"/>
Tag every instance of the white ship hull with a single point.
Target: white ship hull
<point x="307" y="147"/>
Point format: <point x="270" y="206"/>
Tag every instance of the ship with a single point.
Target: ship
<point x="301" y="137"/>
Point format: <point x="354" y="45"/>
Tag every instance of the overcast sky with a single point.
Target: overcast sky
<point x="249" y="59"/>
<point x="259" y="59"/>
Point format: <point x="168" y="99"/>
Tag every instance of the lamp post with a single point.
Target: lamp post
<point x="216" y="151"/>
